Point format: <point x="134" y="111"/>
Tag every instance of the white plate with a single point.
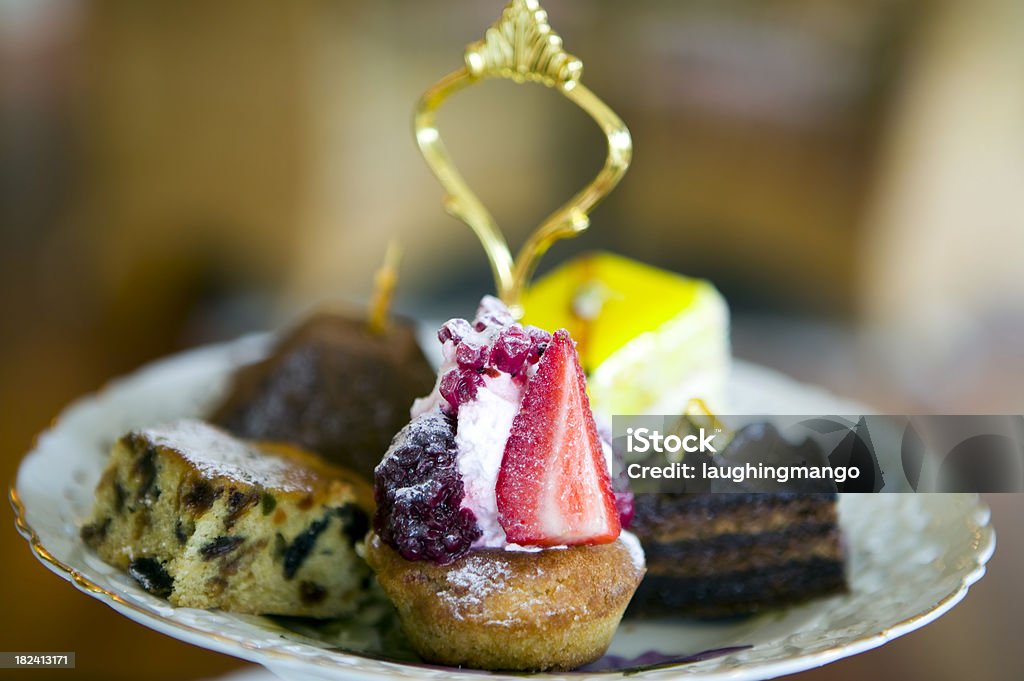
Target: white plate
<point x="912" y="556"/>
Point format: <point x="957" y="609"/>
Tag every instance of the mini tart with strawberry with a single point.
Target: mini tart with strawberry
<point x="498" y="534"/>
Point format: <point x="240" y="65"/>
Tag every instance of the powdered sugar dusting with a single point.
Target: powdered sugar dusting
<point x="216" y="454"/>
<point x="433" y="430"/>
<point x="472" y="581"/>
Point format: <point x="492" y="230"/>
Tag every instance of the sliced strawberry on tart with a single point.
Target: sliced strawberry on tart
<point x="497" y="534"/>
<point x="553" y="486"/>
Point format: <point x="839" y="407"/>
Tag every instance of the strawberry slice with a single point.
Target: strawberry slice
<point x="553" y="486"/>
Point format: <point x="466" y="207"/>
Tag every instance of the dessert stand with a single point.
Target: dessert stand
<point x="912" y="557"/>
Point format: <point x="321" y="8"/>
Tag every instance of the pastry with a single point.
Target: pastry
<point x="497" y="534"/>
<point x="332" y="386"/>
<point x="653" y="342"/>
<point x="515" y="610"/>
<point x="716" y="555"/>
<point x="209" y="521"/>
<point x="650" y="340"/>
<point x="738" y="548"/>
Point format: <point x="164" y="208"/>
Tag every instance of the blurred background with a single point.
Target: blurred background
<point x="849" y="173"/>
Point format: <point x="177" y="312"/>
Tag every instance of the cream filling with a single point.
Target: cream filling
<point x="483" y="429"/>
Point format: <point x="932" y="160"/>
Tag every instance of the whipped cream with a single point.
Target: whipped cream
<point x="483" y="429"/>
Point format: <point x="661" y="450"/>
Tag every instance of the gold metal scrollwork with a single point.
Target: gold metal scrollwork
<point x="522" y="47"/>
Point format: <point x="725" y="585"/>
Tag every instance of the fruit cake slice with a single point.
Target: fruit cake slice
<point x="210" y="521"/>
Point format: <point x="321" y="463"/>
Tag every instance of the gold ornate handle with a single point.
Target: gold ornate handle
<point x="521" y="47"/>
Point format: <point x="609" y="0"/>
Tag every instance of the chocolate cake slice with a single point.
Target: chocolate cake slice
<point x="738" y="548"/>
<point x="331" y="386"/>
<point x="715" y="555"/>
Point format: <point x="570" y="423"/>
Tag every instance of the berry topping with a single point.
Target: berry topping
<point x="553" y="486"/>
<point x="540" y="339"/>
<point x="511" y="349"/>
<point x="454" y="330"/>
<point x="419" y="492"/>
<point x="492" y="345"/>
<point x="469" y="356"/>
<point x="459" y="386"/>
<point x="492" y="313"/>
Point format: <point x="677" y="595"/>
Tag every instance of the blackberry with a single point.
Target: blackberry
<point x="419" y="494"/>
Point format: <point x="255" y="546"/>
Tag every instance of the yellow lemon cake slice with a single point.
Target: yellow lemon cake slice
<point x="650" y="340"/>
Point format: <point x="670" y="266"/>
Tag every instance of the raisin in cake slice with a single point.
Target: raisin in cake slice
<point x="210" y="521"/>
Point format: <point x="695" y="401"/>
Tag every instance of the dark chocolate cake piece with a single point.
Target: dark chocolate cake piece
<point x="331" y="386"/>
<point x="716" y="555"/>
<point x="738" y="548"/>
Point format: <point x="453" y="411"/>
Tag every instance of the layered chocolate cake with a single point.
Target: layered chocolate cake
<point x="332" y="386"/>
<point x="716" y="555"/>
<point x="654" y="341"/>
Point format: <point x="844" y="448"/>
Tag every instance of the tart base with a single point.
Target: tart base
<point x="555" y="609"/>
